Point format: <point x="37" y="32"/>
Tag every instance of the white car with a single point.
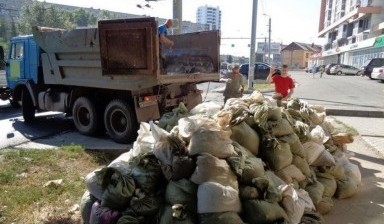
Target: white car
<point x="340" y="69"/>
<point x="378" y="73"/>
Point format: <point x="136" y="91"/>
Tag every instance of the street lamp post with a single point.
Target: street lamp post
<point x="269" y="40"/>
<point x="269" y="37"/>
<point x="265" y="45"/>
<point x="178" y="15"/>
<point x="253" y="43"/>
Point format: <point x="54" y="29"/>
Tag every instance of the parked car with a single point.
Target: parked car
<point x="372" y="63"/>
<point x="341" y="69"/>
<point x="261" y="70"/>
<point x="378" y="73"/>
<point x="224" y="69"/>
<point x="328" y="68"/>
<point x="309" y="69"/>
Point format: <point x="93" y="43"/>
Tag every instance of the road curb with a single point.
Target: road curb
<point x="329" y="111"/>
<point x="355" y="113"/>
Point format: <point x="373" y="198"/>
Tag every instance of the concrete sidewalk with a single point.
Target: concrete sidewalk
<point x="367" y="206"/>
<point x="370" y="129"/>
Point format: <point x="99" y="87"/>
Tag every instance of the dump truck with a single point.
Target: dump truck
<point x="109" y="78"/>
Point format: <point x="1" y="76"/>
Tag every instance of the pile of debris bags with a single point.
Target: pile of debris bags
<point x="249" y="162"/>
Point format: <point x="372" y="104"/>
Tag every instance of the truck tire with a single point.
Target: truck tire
<point x="85" y="116"/>
<point x="120" y="122"/>
<point x="27" y="108"/>
<point x="14" y="103"/>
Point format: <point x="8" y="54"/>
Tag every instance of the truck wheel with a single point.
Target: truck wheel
<point x="85" y="116"/>
<point x="27" y="108"/>
<point x="120" y="122"/>
<point x="14" y="103"/>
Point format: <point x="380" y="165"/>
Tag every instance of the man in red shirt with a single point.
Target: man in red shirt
<point x="284" y="84"/>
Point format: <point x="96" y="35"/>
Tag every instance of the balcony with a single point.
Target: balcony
<point x="357" y="30"/>
<point x="355" y="14"/>
<point x="356" y="5"/>
<point x="361" y="36"/>
<point x="378" y="27"/>
<point x="327" y="47"/>
<point x="342" y="41"/>
<point x="342" y="35"/>
<point x="365" y="3"/>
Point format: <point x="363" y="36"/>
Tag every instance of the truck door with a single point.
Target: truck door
<point x="16" y="63"/>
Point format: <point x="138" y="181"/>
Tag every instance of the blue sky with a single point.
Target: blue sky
<point x="292" y="20"/>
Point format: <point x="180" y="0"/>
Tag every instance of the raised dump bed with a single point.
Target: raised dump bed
<point x="124" y="55"/>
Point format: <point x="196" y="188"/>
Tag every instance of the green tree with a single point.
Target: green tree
<point x="3" y="29"/>
<point x="37" y="14"/>
<point x="13" y="27"/>
<point x="32" y="15"/>
<point x="54" y="18"/>
<point x="81" y="17"/>
<point x="68" y="20"/>
<point x="105" y="14"/>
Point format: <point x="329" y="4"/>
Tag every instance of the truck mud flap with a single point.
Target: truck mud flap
<point x="146" y="108"/>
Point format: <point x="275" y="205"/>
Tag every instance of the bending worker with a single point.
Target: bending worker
<point x="164" y="41"/>
<point x="284" y="84"/>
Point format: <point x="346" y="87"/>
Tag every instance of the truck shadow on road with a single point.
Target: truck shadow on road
<point x="43" y="126"/>
<point x="7" y="112"/>
<point x="54" y="131"/>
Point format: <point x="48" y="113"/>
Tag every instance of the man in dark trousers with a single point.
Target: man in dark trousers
<point x="234" y="86"/>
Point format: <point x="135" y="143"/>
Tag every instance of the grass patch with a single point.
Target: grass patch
<point x="346" y="128"/>
<point x="260" y="86"/>
<point x="23" y="173"/>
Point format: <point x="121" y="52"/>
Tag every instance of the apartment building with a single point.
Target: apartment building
<point x="210" y="16"/>
<point x="353" y="30"/>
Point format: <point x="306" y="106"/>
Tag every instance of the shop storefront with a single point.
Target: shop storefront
<point x="356" y="54"/>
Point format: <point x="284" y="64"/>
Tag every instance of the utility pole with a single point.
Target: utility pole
<point x="265" y="46"/>
<point x="252" y="51"/>
<point x="269" y="40"/>
<point x="178" y="15"/>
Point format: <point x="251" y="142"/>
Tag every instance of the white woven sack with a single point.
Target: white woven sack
<point x="213" y="197"/>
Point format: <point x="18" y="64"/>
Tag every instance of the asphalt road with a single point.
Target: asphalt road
<point x="3" y="81"/>
<point x="53" y="130"/>
<point x="340" y="92"/>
